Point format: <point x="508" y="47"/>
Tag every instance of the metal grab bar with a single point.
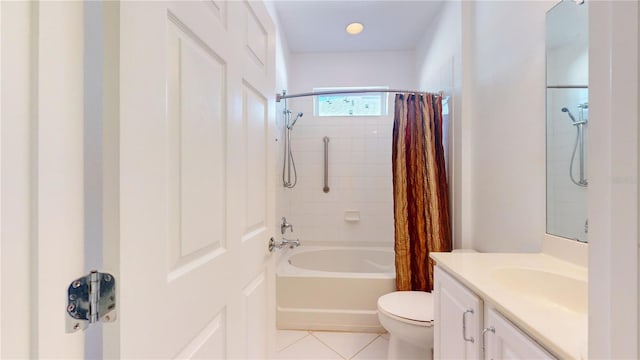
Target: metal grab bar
<point x="326" y="164"/>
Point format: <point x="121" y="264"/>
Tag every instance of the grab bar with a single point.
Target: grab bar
<point x="326" y="164"/>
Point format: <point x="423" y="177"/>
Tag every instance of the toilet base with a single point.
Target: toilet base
<point x="399" y="349"/>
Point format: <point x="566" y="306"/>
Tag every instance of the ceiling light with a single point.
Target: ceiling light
<point x="355" y="28"/>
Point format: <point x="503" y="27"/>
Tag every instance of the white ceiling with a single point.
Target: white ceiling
<point x="319" y="26"/>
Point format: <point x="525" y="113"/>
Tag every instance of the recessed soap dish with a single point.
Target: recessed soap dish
<point x="352" y="215"/>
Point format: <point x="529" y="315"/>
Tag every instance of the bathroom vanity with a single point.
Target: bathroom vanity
<point x="517" y="306"/>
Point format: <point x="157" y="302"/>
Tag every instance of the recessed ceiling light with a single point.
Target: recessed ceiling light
<point x="355" y="28"/>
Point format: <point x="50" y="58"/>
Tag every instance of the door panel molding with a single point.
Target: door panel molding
<point x="210" y="342"/>
<point x="256" y="40"/>
<point x="256" y="323"/>
<point x="196" y="95"/>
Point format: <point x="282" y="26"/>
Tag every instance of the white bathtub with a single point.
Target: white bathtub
<point x="333" y="288"/>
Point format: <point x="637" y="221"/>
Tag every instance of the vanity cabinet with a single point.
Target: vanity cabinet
<point x="464" y="322"/>
<point x="503" y="340"/>
<point x="458" y="319"/>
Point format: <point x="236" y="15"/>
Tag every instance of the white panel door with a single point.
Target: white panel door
<point x="189" y="178"/>
<point x="458" y="319"/>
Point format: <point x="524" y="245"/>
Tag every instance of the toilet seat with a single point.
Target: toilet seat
<point x="414" y="307"/>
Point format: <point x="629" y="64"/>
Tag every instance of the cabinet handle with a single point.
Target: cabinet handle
<point x="464" y="326"/>
<point x="486" y="330"/>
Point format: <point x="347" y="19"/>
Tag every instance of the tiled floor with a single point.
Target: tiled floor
<point x="330" y="345"/>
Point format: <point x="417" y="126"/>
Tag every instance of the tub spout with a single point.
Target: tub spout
<point x="291" y="243"/>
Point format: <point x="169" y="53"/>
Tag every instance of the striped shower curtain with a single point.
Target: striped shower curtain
<point x="421" y="204"/>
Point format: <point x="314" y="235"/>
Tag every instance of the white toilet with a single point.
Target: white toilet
<point x="408" y="317"/>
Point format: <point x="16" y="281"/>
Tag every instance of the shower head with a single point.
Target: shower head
<point x="296" y="119"/>
<point x="564" y="109"/>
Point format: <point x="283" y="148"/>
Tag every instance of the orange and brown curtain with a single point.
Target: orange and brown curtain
<point x="420" y="196"/>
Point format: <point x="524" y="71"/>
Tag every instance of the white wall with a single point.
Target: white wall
<point x="392" y="68"/>
<point x="492" y="56"/>
<point x="613" y="187"/>
<point x="508" y="126"/>
<point x="439" y="66"/>
<point x="17" y="196"/>
<point x="441" y="48"/>
<point x="359" y="150"/>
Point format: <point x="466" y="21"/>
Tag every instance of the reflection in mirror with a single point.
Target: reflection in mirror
<point x="567" y="120"/>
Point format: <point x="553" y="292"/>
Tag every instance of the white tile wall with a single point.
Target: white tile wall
<point x="359" y="151"/>
<point x="359" y="179"/>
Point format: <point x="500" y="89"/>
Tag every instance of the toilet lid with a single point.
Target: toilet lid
<point x="411" y="305"/>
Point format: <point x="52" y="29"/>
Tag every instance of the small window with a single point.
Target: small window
<point x="353" y="104"/>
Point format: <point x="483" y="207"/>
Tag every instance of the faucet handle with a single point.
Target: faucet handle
<point x="284" y="225"/>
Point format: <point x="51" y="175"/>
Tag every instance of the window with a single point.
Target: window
<point x="354" y="104"/>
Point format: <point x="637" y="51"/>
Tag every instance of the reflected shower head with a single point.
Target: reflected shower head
<point x="296" y="119"/>
<point x="564" y="109"/>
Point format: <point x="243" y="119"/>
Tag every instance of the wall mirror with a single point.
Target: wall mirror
<point x="567" y="120"/>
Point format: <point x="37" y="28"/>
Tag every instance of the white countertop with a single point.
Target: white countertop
<point x="561" y="330"/>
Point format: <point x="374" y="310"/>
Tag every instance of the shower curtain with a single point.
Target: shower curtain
<point x="421" y="204"/>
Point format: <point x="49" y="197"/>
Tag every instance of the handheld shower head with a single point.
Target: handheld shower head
<point x="564" y="109"/>
<point x="296" y="119"/>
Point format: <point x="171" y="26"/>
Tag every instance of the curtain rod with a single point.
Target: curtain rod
<point x="347" y="91"/>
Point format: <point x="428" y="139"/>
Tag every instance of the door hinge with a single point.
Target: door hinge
<point x="90" y="299"/>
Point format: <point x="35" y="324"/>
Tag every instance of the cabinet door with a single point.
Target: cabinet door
<point x="506" y="341"/>
<point x="458" y="319"/>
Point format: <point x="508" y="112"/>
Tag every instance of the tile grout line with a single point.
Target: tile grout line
<point x="327" y="345"/>
<point x="366" y="346"/>
<point x="295" y="342"/>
